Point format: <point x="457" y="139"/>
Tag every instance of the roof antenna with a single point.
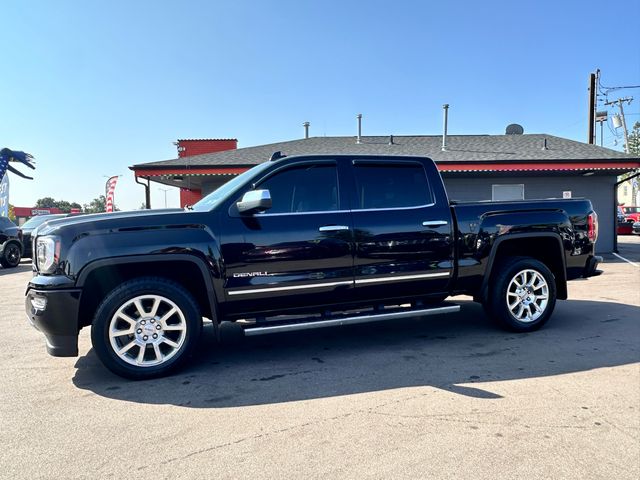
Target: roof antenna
<point x="276" y="156"/>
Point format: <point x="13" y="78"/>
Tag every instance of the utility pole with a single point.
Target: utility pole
<point x="592" y="108"/>
<point x="620" y="101"/>
<point x="601" y="118"/>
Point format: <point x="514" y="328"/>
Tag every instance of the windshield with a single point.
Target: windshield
<point x="6" y="223"/>
<point x="39" y="220"/>
<point x="221" y="193"/>
<point x="631" y="209"/>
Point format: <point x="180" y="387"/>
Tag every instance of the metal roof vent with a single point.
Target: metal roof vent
<point x="445" y="122"/>
<point x="514" y="129"/>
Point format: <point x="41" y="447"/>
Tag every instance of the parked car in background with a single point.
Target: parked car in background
<point x="28" y="228"/>
<point x="636" y="228"/>
<point x="620" y="215"/>
<point x="624" y="223"/>
<point x="631" y="213"/>
<point x="10" y="243"/>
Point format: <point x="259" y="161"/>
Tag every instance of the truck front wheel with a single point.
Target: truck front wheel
<point x="523" y="295"/>
<point x="146" y="328"/>
<point x="10" y="258"/>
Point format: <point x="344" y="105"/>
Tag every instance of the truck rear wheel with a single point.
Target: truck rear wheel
<point x="523" y="295"/>
<point x="146" y="328"/>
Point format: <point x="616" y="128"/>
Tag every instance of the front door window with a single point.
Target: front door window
<point x="303" y="189"/>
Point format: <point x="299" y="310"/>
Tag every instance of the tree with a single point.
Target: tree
<point x="97" y="205"/>
<point x="63" y="205"/>
<point x="46" y="202"/>
<point x="634" y="139"/>
<point x="634" y="149"/>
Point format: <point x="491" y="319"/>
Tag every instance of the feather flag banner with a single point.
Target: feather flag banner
<point x="4" y="195"/>
<point x="110" y="193"/>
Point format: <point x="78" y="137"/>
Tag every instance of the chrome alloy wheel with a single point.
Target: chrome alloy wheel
<point x="527" y="296"/>
<point x="147" y="330"/>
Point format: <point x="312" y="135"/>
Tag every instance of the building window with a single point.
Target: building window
<point x="501" y="193"/>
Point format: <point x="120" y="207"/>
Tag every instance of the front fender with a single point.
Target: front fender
<point x="136" y="261"/>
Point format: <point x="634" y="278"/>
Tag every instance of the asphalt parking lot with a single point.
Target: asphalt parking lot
<point x="445" y="397"/>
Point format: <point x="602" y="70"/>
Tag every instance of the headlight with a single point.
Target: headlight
<point x="47" y="253"/>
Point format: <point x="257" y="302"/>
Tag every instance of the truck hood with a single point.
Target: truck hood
<point x="129" y="220"/>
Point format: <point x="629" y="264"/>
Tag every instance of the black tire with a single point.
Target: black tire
<point x="184" y="330"/>
<point x="506" y="298"/>
<point x="11" y="255"/>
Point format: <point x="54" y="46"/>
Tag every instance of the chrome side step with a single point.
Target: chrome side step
<point x="334" y="322"/>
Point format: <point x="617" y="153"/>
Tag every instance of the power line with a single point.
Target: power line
<point x="627" y="87"/>
<point x="610" y="89"/>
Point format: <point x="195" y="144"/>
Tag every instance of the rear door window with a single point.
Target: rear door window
<point x="400" y="185"/>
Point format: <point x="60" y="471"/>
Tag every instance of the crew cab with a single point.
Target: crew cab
<point x="297" y="243"/>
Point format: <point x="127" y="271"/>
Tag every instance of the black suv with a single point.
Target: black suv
<point x="10" y="243"/>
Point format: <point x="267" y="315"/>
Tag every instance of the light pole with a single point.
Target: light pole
<point x="165" y="190"/>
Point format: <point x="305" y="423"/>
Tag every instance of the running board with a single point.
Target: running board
<point x="334" y="322"/>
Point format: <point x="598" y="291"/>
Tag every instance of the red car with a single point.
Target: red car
<point x="632" y="214"/>
<point x="624" y="225"/>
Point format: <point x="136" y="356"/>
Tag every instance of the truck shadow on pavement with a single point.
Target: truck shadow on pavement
<point x="457" y="353"/>
<point x="23" y="267"/>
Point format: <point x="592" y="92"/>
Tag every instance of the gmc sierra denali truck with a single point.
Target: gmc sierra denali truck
<point x="296" y="243"/>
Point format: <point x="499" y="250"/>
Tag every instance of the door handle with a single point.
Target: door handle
<point x="333" y="228"/>
<point x="435" y="223"/>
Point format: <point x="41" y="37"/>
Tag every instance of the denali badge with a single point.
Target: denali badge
<point x="251" y="274"/>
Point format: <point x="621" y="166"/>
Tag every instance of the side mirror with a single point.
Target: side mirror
<point x="254" y="201"/>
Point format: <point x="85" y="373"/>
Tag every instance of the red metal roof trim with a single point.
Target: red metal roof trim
<point x="190" y="171"/>
<point x="501" y="167"/>
<point x="207" y="139"/>
<point x="444" y="167"/>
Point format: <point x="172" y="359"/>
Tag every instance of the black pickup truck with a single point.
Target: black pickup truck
<point x="297" y="243"/>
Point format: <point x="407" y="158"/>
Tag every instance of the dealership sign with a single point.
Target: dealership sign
<point x="40" y="211"/>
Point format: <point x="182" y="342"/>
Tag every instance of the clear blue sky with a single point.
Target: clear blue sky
<point x="91" y="88"/>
